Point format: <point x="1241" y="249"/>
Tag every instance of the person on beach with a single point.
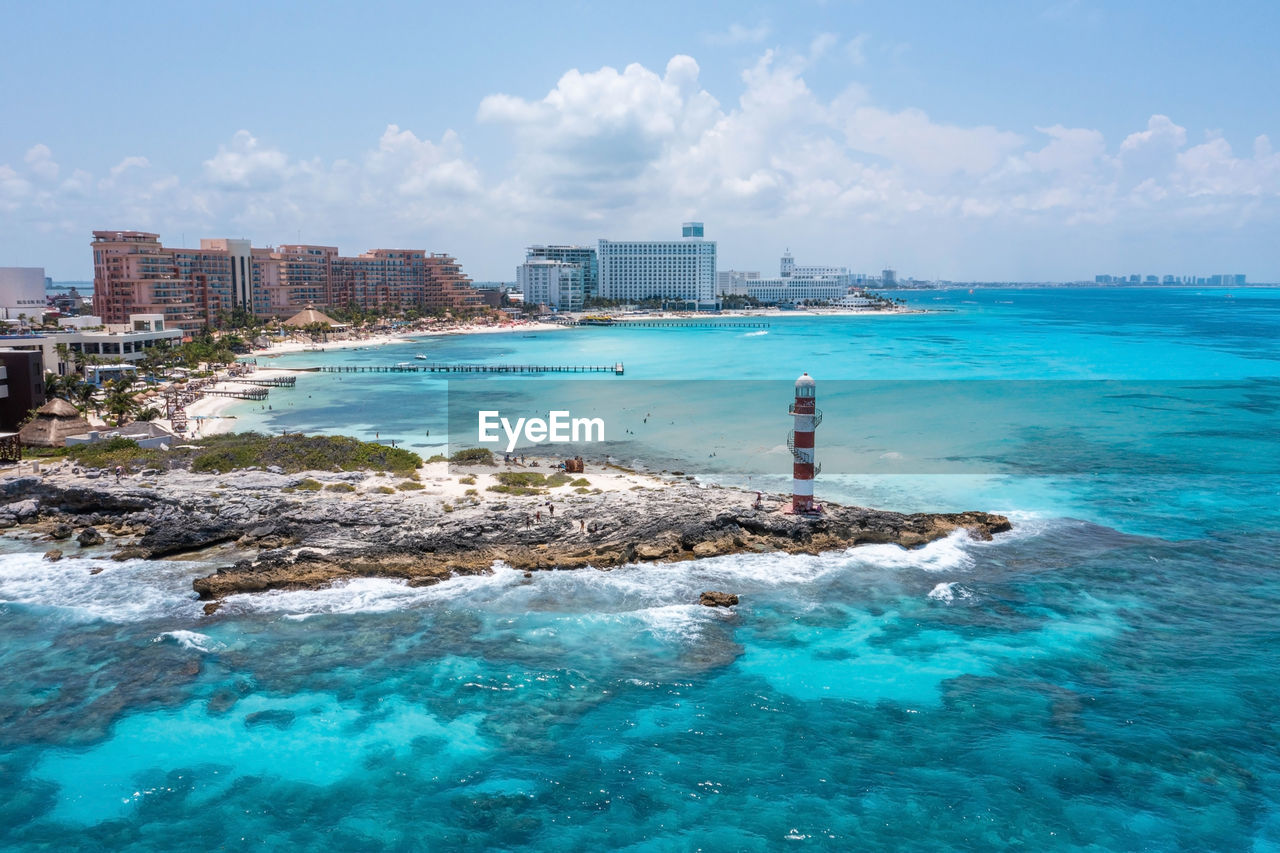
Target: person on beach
<point x="538" y="516"/>
<point x="551" y="508"/>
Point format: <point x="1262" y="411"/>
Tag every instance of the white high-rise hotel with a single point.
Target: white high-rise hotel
<point x="555" y="284"/>
<point x="672" y="270"/>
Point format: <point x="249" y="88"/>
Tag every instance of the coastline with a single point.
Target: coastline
<point x="403" y="337"/>
<point x="314" y="529"/>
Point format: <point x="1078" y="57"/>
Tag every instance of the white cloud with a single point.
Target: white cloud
<point x="129" y="163"/>
<point x="39" y="160"/>
<point x="633" y="151"/>
<point x="856" y="49"/>
<point x="246" y="164"/>
<point x="739" y="34"/>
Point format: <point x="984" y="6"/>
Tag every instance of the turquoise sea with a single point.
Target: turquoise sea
<point x="1104" y="678"/>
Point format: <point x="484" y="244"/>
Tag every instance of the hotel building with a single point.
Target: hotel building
<point x="795" y="285"/>
<point x="134" y="274"/>
<point x="555" y="284"/>
<point x="583" y="256"/>
<point x="682" y="271"/>
<point x="22" y="292"/>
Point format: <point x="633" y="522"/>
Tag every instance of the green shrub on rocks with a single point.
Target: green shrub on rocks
<point x="296" y="453"/>
<point x="385" y="490"/>
<point x="116" y="451"/>
<point x="558" y="479"/>
<point x="473" y="456"/>
<point x="409" y="486"/>
<point x="581" y="482"/>
<point x="339" y="487"/>
<point x="308" y="485"/>
<point x="520" y="478"/>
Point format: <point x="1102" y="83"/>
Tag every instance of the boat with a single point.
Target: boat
<point x="420" y="357"/>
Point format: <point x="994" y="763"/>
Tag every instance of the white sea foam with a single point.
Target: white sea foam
<point x="949" y="591"/>
<point x="951" y="553"/>
<point x="129" y="591"/>
<point x="191" y="640"/>
<point x="676" y="621"/>
<point x="756" y="334"/>
<point x="366" y="595"/>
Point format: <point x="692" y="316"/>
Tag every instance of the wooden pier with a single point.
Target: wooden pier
<point x="254" y="393"/>
<point x="429" y="367"/>
<point x="674" y="324"/>
<point x="273" y="382"/>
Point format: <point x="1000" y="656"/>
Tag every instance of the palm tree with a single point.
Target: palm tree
<point x="119" y="401"/>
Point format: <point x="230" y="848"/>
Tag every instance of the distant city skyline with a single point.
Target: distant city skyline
<point x="1016" y="142"/>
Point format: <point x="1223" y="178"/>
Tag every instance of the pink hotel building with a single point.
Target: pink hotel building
<point x="134" y="274"/>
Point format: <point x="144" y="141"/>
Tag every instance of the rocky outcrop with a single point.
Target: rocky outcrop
<point x="710" y="598"/>
<point x="89" y="537"/>
<point x="304" y="540"/>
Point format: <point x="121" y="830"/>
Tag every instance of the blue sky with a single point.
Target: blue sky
<point x="1028" y="140"/>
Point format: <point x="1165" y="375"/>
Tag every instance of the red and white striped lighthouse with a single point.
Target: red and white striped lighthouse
<point x="800" y="441"/>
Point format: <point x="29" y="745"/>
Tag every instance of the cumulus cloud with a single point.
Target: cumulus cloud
<point x="39" y="160"/>
<point x="245" y="163"/>
<point x="611" y="152"/>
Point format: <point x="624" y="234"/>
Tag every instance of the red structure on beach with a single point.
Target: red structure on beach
<point x="800" y="441"/>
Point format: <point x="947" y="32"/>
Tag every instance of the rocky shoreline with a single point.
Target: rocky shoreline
<point x="288" y="539"/>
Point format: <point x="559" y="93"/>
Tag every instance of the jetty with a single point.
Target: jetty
<point x="272" y="382"/>
<point x="668" y="324"/>
<point x="251" y="393"/>
<point x="431" y="367"/>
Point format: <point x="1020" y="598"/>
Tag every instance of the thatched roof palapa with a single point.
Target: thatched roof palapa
<point x="54" y="421"/>
<point x="310" y="315"/>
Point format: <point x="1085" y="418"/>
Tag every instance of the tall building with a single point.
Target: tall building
<point x="22" y="292"/>
<point x="583" y="256"/>
<point x="680" y="271"/>
<point x="734" y="282"/>
<point x="135" y="274"/>
<point x="555" y="284"/>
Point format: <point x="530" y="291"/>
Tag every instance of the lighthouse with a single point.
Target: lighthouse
<point x="800" y="441"/>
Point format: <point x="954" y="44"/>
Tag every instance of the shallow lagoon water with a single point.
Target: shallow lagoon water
<point x="1103" y="678"/>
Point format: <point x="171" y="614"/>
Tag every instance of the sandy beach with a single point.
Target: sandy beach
<point x="404" y="337"/>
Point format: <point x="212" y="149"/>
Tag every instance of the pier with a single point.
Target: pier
<point x="673" y="324"/>
<point x="273" y="382"/>
<point x="252" y="393"/>
<point x="410" y="367"/>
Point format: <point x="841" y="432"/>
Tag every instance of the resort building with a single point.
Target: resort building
<point x="123" y="342"/>
<point x="796" y="285"/>
<point x="21" y="292"/>
<point x="734" y="282"/>
<point x="557" y="285"/>
<point x="583" y="256"/>
<point x="674" y="271"/>
<point x="134" y="273"/>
